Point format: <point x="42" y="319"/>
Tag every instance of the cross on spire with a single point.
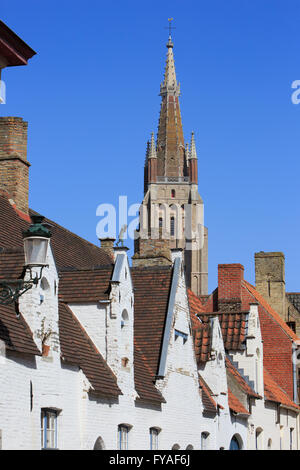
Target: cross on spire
<point x="170" y="27"/>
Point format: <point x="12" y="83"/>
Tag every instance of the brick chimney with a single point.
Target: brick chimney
<point x="151" y="251"/>
<point x="107" y="244"/>
<point x="230" y="278"/>
<point x="14" y="167"/>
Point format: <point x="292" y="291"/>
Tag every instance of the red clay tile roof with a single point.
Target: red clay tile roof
<point x="233" y="324"/>
<point x="15" y="332"/>
<point x="202" y="342"/>
<point x="235" y="405"/>
<point x="209" y="403"/>
<point x="151" y="293"/>
<point x="270" y="310"/>
<point x="277" y="337"/>
<point x="143" y="378"/>
<point x="85" y="285"/>
<point x="274" y="392"/>
<point x="240" y="380"/>
<point x="69" y="249"/>
<point x="233" y="327"/>
<point x="77" y="348"/>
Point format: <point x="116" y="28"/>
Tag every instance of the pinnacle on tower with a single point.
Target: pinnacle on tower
<point x="193" y="153"/>
<point x="152" y="147"/>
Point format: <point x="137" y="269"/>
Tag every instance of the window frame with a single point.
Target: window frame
<point x="154" y="432"/>
<point x="123" y="430"/>
<point x="45" y="412"/>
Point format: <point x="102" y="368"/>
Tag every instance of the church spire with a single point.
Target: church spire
<point x="170" y="141"/>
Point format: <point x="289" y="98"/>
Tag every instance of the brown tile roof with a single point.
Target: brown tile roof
<point x="85" y="285"/>
<point x="151" y="293"/>
<point x="15" y="332"/>
<point x="77" y="348"/>
<point x="143" y="378"/>
<point x="240" y="379"/>
<point x="274" y="392"/>
<point x="209" y="403"/>
<point x="235" y="405"/>
<point x="11" y="263"/>
<point x="69" y="249"/>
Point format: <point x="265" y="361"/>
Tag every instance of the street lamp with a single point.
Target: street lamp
<point x="36" y="241"/>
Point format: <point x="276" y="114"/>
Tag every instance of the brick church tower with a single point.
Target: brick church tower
<point x="172" y="209"/>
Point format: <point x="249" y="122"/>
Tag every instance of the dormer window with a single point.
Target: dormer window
<point x="179" y="334"/>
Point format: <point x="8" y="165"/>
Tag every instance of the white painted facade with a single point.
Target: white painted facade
<point x="29" y="384"/>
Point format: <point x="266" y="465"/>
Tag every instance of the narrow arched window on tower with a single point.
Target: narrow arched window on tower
<point x="172" y="226"/>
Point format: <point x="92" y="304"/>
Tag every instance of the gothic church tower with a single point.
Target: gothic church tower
<point x="172" y="208"/>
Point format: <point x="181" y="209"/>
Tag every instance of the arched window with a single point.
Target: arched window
<point x="235" y="443"/>
<point x="172" y="226"/>
<point x="190" y="447"/>
<point x="124" y="319"/>
<point x="176" y="447"/>
<point x="154" y="432"/>
<point x="204" y="441"/>
<point x="259" y="439"/>
<point x="269" y="444"/>
<point x="99" y="444"/>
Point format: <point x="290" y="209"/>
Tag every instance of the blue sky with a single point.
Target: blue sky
<point x="90" y="96"/>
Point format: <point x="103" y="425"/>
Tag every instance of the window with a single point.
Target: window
<point x="178" y="334"/>
<point x="269" y="444"/>
<point x="123" y="431"/>
<point x="173" y="193"/>
<point x="176" y="447"/>
<point x="99" y="444"/>
<point x="234" y="444"/>
<point x="154" y="438"/>
<point x="204" y="440"/>
<point x="160" y="221"/>
<point x="172" y="226"/>
<point x="124" y="319"/>
<point x="259" y="439"/>
<point x="291" y="438"/>
<point x="48" y="429"/>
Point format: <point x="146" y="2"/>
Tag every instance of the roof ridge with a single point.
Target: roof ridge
<point x="69" y="231"/>
<point x="271" y="311"/>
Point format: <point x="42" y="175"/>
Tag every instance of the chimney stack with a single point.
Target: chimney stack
<point x="270" y="279"/>
<point x="107" y="244"/>
<point x="230" y="278"/>
<point x="14" y="167"/>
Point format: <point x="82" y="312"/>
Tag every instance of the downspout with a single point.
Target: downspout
<point x="294" y="360"/>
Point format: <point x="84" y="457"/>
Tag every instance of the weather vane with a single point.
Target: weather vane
<point x="170" y="27"/>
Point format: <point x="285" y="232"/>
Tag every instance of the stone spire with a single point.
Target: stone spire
<point x="170" y="83"/>
<point x="170" y="141"/>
